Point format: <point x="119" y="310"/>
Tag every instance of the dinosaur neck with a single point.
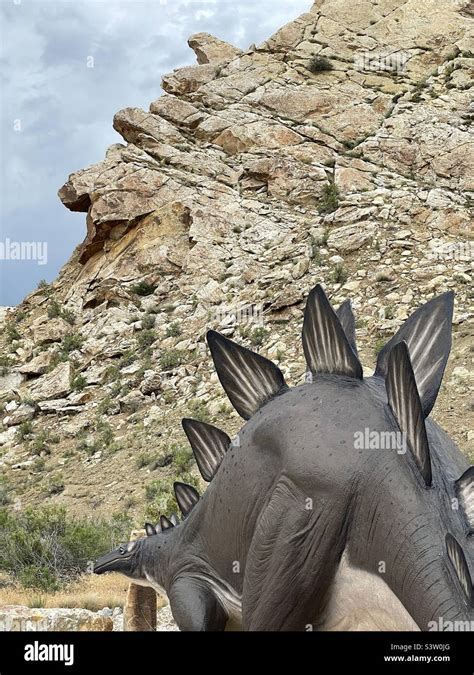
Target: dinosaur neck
<point x="157" y="555"/>
<point x="406" y="549"/>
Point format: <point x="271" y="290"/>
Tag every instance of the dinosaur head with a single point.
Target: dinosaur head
<point x="145" y="560"/>
<point x="126" y="559"/>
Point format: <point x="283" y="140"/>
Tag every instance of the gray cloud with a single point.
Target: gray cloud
<point x="56" y="112"/>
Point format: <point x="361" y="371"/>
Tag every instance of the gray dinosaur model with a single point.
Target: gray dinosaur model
<point x="302" y="526"/>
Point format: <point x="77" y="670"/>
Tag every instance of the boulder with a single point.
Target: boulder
<point x="352" y="237"/>
<point x="11" y="381"/>
<point x="54" y="385"/>
<point x="19" y="618"/>
<point x="151" y="384"/>
<point x="50" y="330"/>
<point x="37" y="366"/>
<point x="23" y="413"/>
<point x="209" y="49"/>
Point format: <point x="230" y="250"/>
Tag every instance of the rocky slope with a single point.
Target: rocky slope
<point x="338" y="151"/>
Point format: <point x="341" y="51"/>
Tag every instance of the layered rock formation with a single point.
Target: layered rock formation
<point x="338" y="151"/>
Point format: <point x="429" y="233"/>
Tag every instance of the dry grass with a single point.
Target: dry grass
<point x="89" y="592"/>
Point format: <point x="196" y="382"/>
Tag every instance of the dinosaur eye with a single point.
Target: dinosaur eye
<point x="121" y="550"/>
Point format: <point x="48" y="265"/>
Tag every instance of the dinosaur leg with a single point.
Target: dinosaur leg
<point x="292" y="560"/>
<point x="195" y="607"/>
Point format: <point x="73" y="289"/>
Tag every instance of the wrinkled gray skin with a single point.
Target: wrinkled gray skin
<point x="264" y="545"/>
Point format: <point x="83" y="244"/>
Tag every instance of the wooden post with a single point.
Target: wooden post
<point x="139" y="613"/>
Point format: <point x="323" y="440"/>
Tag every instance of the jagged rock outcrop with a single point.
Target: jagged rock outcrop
<point x="338" y="151"/>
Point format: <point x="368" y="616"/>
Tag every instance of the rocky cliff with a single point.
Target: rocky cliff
<point x="338" y="151"/>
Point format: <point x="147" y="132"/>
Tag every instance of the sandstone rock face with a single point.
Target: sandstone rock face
<point x="352" y="237"/>
<point x="255" y="176"/>
<point x="209" y="49"/>
<point x="52" y="330"/>
<point x="11" y="381"/>
<point x="37" y="366"/>
<point x="54" y="385"/>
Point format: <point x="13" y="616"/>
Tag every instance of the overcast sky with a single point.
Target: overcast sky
<point x="56" y="113"/>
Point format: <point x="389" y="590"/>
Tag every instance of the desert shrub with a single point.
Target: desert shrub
<point x="5" y="364"/>
<point x="171" y="358"/>
<point x="4" y="490"/>
<point x="42" y="548"/>
<point x="160" y="495"/>
<point x="173" y="330"/>
<point x="339" y="274"/>
<point x="11" y="331"/>
<point x="143" y="459"/>
<point x="329" y="200"/>
<point x="198" y="410"/>
<point x="41" y="443"/>
<point x="127" y="358"/>
<point x="71" y="342"/>
<point x="54" y="309"/>
<point x="39" y="464"/>
<point x="148" y="321"/>
<point x="146" y="338"/>
<point x="258" y="335"/>
<point x="319" y="64"/>
<point x="379" y="344"/>
<point x="68" y="315"/>
<point x="24" y="430"/>
<point x="182" y="457"/>
<point x="143" y="288"/>
<point x="55" y="485"/>
<point x="78" y="383"/>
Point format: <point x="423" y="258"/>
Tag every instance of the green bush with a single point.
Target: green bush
<point x="5" y="364"/>
<point x="318" y="64"/>
<point x="171" y="358"/>
<point x="160" y="495"/>
<point x="148" y="321"/>
<point x="173" y="330"/>
<point x="71" y="342"/>
<point x="42" y="548"/>
<point x="24" y="430"/>
<point x="41" y="443"/>
<point x="146" y="338"/>
<point x="339" y="274"/>
<point x="54" y="309"/>
<point x="329" y="200"/>
<point x="55" y="485"/>
<point x="143" y="459"/>
<point x="11" y="331"/>
<point x="258" y="335"/>
<point x="182" y="457"/>
<point x="379" y="345"/>
<point x="69" y="316"/>
<point x="198" y="410"/>
<point x="127" y="358"/>
<point x="78" y="383"/>
<point x="143" y="288"/>
<point x="4" y="490"/>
